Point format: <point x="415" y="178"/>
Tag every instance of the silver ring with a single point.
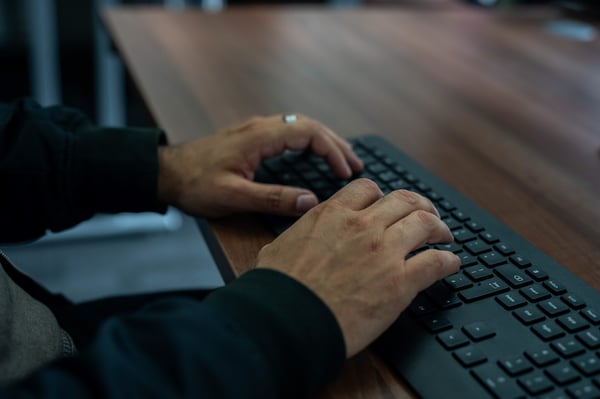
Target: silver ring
<point x="289" y="118"/>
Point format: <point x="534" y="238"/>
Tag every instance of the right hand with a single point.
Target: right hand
<point x="350" y="251"/>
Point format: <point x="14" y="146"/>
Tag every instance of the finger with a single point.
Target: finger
<point x="307" y="133"/>
<point x="358" y="194"/>
<point x="429" y="266"/>
<point x="356" y="164"/>
<point x="399" y="204"/>
<point x="272" y="198"/>
<point x="417" y="229"/>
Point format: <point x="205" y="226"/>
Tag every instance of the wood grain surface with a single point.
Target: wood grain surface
<point x="491" y="102"/>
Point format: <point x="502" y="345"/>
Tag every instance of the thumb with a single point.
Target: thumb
<point x="277" y="199"/>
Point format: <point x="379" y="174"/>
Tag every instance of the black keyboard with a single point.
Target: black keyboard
<point x="512" y="323"/>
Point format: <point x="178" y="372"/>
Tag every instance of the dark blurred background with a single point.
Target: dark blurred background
<point x="71" y="48"/>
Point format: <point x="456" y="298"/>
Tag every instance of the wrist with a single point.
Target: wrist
<point x="168" y="180"/>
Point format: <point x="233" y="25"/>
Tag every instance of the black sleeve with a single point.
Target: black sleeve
<point x="263" y="336"/>
<point x="57" y="169"/>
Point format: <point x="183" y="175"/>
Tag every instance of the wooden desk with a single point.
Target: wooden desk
<point x="492" y="103"/>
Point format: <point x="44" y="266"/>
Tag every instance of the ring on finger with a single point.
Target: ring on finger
<point x="289" y="118"/>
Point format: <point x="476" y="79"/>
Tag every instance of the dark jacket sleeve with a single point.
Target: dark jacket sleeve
<point x="57" y="169"/>
<point x="263" y="336"/>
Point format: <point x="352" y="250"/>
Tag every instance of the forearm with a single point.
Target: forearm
<point x="264" y="336"/>
<point x="57" y="169"/>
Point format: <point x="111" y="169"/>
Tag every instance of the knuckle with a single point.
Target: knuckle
<point x="410" y="196"/>
<point x="407" y="196"/>
<point x="367" y="184"/>
<point x="438" y="260"/>
<point x="377" y="242"/>
<point x="274" y="197"/>
<point x="249" y="124"/>
<point x="328" y="207"/>
<point x="358" y="222"/>
<point x="426" y="219"/>
<point x="311" y="124"/>
<point x="413" y="199"/>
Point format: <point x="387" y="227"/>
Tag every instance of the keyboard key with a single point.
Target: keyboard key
<point x="573" y="301"/>
<point x="463" y="235"/>
<point x="520" y="261"/>
<point x="513" y="276"/>
<point x="422" y="305"/>
<point x="478" y="331"/>
<point x="535" y="383"/>
<point x="486" y="289"/>
<point x="547" y="330"/>
<point x="470" y="356"/>
<point x="537" y="274"/>
<point x="591" y="315"/>
<point x="583" y="390"/>
<point x="412" y="179"/>
<point x="515" y="365"/>
<point x="376" y="167"/>
<point x="496" y="382"/>
<point x="562" y="373"/>
<point x="572" y="323"/>
<point x="311" y="175"/>
<point x="442" y="296"/>
<point x="477" y="247"/>
<point x="567" y="347"/>
<point x="555" y="287"/>
<point x="466" y="259"/>
<point x="474" y="226"/>
<point x="452" y="339"/>
<point x="451" y="247"/>
<point x="489" y="237"/>
<point x="458" y="281"/>
<point x="590" y="338"/>
<point x="422" y="187"/>
<point x="452" y="224"/>
<point x="542" y="356"/>
<point x="398" y="169"/>
<point x="434" y="196"/>
<point x="460" y="216"/>
<point x="554" y="395"/>
<point x="436" y="323"/>
<point x="388" y="176"/>
<point x="398" y="184"/>
<point x="504" y="249"/>
<point x="511" y="300"/>
<point x="478" y="273"/>
<point x="535" y="293"/>
<point x="553" y="307"/>
<point x="588" y="365"/>
<point x="529" y="315"/>
<point x="446" y="205"/>
<point x="492" y="259"/>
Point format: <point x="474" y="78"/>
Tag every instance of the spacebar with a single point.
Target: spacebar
<point x="488" y="288"/>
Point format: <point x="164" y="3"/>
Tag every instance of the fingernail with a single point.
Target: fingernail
<point x="305" y="201"/>
<point x="348" y="170"/>
<point x="458" y="260"/>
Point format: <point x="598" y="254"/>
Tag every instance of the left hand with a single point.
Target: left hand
<point x="213" y="176"/>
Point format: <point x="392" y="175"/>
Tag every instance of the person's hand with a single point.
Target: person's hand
<point x="212" y="176"/>
<point x="351" y="249"/>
